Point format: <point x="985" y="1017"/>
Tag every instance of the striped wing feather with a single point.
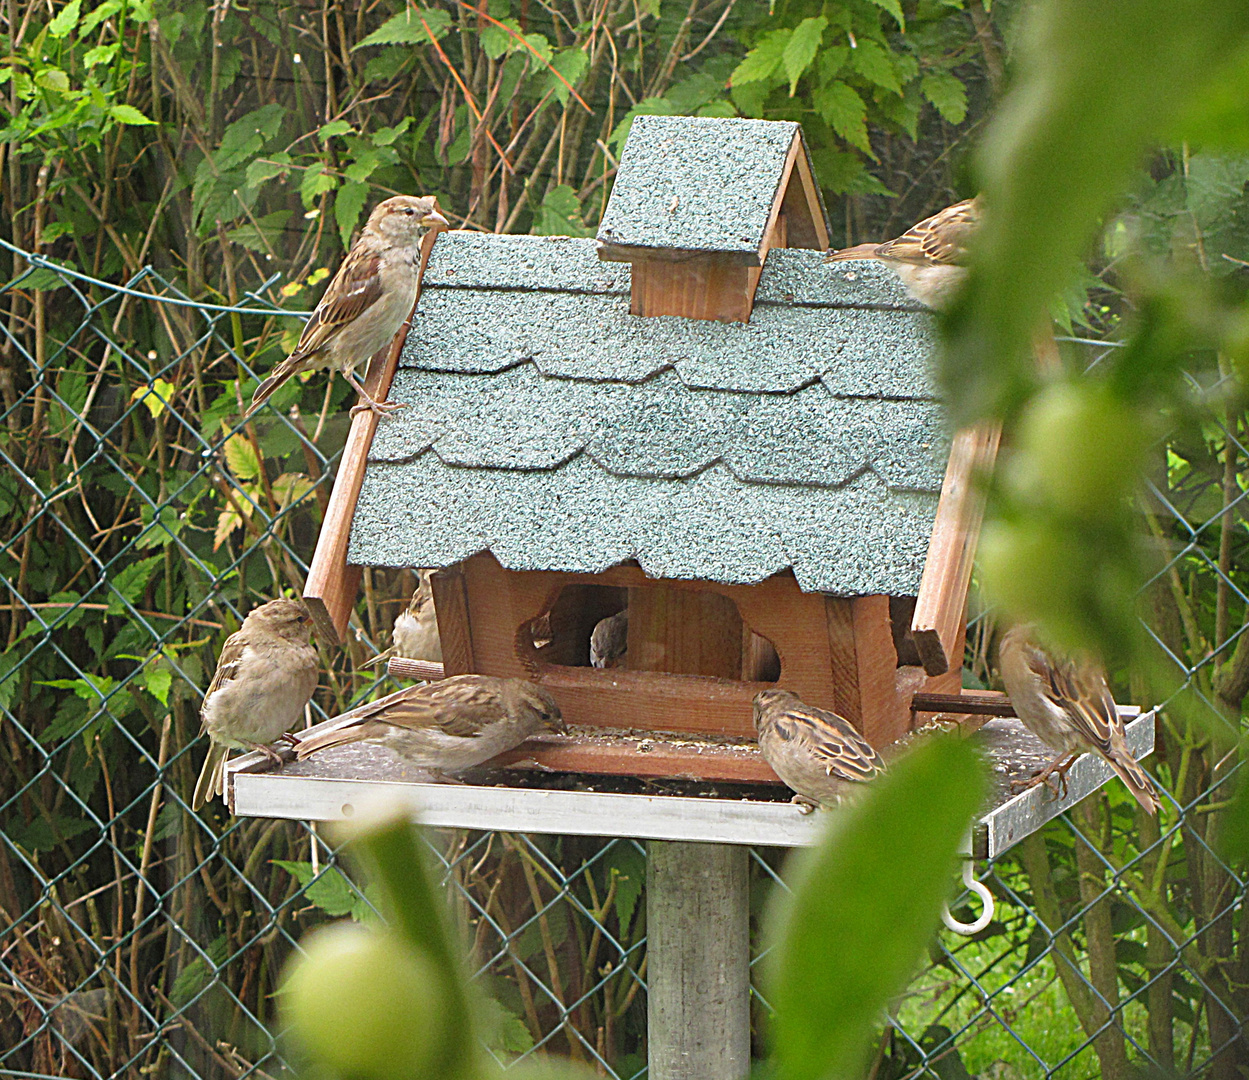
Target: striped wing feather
<point x="831" y="741"/>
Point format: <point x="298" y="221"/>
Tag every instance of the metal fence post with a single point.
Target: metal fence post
<point x="698" y="961"/>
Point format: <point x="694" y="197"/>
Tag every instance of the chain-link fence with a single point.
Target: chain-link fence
<point x="139" y="939"/>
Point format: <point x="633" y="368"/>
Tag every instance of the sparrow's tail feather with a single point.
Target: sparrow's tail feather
<point x="322" y="740"/>
<point x="211" y="782"/>
<point x="280" y="374"/>
<point x="859" y="251"/>
<point x="1135" y="779"/>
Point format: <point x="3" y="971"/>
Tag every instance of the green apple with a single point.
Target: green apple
<point x="1078" y="450"/>
<point x="365" y="1004"/>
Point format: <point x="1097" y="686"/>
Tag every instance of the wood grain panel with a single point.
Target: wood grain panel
<point x="941" y="605"/>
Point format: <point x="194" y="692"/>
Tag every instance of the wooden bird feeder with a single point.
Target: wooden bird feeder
<point x="693" y="417"/>
<point x="698" y="420"/>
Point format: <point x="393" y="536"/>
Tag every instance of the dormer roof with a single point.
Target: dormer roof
<point x="709" y="185"/>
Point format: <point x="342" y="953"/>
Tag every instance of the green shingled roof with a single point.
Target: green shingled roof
<point x="697" y="183"/>
<point x="549" y="426"/>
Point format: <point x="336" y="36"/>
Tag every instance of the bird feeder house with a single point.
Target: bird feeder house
<point x="692" y="417"/>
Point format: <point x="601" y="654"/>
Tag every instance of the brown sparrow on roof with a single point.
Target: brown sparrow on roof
<point x="447" y="726"/>
<point x="1066" y="703"/>
<point x="368" y="300"/>
<point x="816" y="752"/>
<point x="265" y="676"/>
<point x="930" y="258"/>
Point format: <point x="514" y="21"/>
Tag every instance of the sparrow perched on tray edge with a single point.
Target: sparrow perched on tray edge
<point x="446" y="726"/>
<point x="1066" y="703"/>
<point x="816" y="752"/>
<point x="265" y="676"/>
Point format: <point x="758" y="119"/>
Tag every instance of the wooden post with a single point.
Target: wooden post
<point x="698" y="961"/>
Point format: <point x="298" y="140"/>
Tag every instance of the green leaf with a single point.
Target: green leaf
<point x="864" y="905"/>
<point x="628" y="867"/>
<point x="894" y="8"/>
<point x="504" y="1030"/>
<point x="101" y="54"/>
<point x="947" y="94"/>
<point x="264" y="235"/>
<point x="262" y="169"/>
<point x="406" y="29"/>
<point x="157" y="679"/>
<point x="334" y="127"/>
<point x="801" y="48"/>
<point x="571" y="64"/>
<point x="540" y="47"/>
<point x="9" y="679"/>
<point x="844" y="111"/>
<point x="496" y="40"/>
<point x="65" y="21"/>
<point x="241" y="457"/>
<point x="349" y="200"/>
<point x="52" y="78"/>
<point x="161" y="528"/>
<point x="130" y="581"/>
<point x="329" y="890"/>
<point x="197" y="974"/>
<point x="875" y="64"/>
<point x="97" y="15"/>
<point x="244" y="138"/>
<point x="561" y="214"/>
<point x="763" y="59"/>
<point x="387" y="135"/>
<point x="128" y="114"/>
<point x="316" y="182"/>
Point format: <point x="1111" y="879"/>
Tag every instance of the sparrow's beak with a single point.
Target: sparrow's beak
<point x="434" y="220"/>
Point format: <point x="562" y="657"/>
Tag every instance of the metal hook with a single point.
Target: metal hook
<point x="973" y="886"/>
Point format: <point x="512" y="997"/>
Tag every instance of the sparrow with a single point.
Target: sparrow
<point x="368" y="300"/>
<point x="816" y="752"/>
<point x="610" y="640"/>
<point x="930" y="258"/>
<point x="1065" y="702"/>
<point x="265" y="676"/>
<point x="415" y="634"/>
<point x="446" y="726"/>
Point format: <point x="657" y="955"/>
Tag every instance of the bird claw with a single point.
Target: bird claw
<point x="1046" y="776"/>
<point x="805" y="805"/>
<point x="381" y="408"/>
<point x="272" y="755"/>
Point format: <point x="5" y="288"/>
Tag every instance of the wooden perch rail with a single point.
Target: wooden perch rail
<point x="332" y="586"/>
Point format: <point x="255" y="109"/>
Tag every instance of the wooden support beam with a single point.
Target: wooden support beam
<point x="940" y="607"/>
<point x="332" y="586"/>
<point x="455" y="632"/>
<point x="698" y="959"/>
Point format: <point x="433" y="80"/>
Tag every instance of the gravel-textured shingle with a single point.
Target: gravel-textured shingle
<point x="697" y="183"/>
<point x="548" y="425"/>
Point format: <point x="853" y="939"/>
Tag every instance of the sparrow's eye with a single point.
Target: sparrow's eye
<point x="409" y="211"/>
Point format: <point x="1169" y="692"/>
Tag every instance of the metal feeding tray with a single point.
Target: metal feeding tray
<point x="552" y="785"/>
